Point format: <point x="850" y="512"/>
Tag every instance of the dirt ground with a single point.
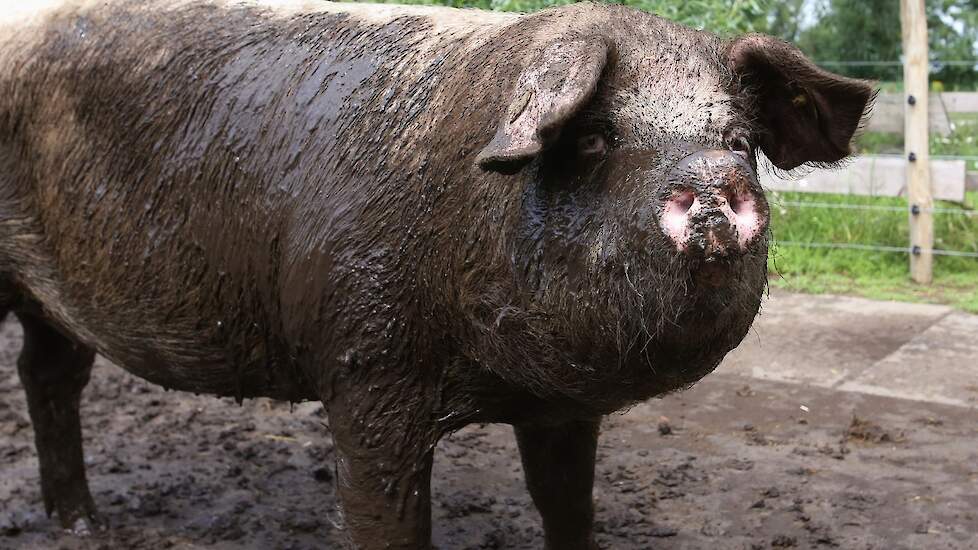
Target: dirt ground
<point x="724" y="465"/>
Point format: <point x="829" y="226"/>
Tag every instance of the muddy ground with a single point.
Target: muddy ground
<point x="724" y="465"/>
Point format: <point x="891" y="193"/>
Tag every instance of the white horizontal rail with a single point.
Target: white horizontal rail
<point x="874" y="175"/>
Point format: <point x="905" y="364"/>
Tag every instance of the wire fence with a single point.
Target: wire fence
<point x="887" y="68"/>
<point x="880" y="207"/>
<point x="852" y="206"/>
<point x="933" y="63"/>
<point x="879" y="248"/>
<point x="955" y="157"/>
<point x="892" y="70"/>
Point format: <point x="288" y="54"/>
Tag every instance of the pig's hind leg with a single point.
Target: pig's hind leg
<point x="54" y="370"/>
<point x="558" y="463"/>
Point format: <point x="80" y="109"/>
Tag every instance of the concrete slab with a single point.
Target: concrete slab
<point x="889" y="112"/>
<point x="873" y="175"/>
<point x="823" y="340"/>
<point x="938" y="365"/>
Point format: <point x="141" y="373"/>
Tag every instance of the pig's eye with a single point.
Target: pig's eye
<point x="592" y="145"/>
<point x="739" y="144"/>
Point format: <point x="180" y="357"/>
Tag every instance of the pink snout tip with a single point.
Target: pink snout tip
<point x="743" y="220"/>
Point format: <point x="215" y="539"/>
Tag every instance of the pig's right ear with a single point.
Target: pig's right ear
<point x="806" y="115"/>
<point x="547" y="94"/>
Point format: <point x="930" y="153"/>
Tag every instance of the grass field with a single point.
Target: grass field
<point x="882" y="275"/>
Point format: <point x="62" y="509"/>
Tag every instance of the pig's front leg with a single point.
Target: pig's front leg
<point x="383" y="470"/>
<point x="558" y="462"/>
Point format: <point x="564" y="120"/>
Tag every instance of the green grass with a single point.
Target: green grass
<point x="955" y="289"/>
<point x="875" y="143"/>
<point x="879" y="275"/>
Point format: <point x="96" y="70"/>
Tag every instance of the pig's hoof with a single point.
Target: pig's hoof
<point x="86" y="526"/>
<point x="83" y="521"/>
<point x="73" y="505"/>
<point x="587" y="544"/>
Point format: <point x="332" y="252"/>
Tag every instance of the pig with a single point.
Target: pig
<point x="421" y="217"/>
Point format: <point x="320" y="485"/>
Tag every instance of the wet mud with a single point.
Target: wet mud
<point x="724" y="465"/>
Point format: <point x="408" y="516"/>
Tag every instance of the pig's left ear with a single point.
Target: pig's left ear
<point x="548" y="92"/>
<point x="806" y="114"/>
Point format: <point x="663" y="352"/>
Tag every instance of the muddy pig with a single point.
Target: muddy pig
<point x="422" y="217"/>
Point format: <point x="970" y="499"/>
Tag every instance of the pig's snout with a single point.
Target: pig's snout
<point x="713" y="205"/>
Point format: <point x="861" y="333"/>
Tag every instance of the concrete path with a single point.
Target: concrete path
<point x="907" y="351"/>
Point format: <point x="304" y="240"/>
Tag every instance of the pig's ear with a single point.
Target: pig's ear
<point x="550" y="91"/>
<point x="806" y="114"/>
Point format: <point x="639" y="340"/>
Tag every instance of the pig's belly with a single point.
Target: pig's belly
<point x="195" y="355"/>
<point x="198" y="366"/>
<point x="178" y="345"/>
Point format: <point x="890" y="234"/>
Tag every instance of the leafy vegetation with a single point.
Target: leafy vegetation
<point x="869" y="31"/>
<point x="829" y="31"/>
<point x="724" y="17"/>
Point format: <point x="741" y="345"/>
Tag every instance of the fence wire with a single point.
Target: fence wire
<point x="933" y="65"/>
<point x="877" y="207"/>
<point x="954" y="157"/>
<point x="878" y="248"/>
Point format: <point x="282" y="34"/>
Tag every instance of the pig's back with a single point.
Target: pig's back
<point x="175" y="172"/>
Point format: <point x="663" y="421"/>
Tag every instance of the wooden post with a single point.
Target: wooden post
<point x="913" y="20"/>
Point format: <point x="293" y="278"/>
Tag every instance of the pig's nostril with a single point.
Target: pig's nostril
<point x="675" y="218"/>
<point x="684" y="201"/>
<point x="740" y="203"/>
<point x="735" y="202"/>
